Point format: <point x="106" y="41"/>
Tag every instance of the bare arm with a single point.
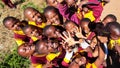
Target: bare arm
<point x="100" y="58"/>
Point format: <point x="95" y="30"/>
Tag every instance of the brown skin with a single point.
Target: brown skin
<point x="33" y="15"/>
<point x="107" y="20"/>
<point x="52" y="3"/>
<point x="26" y="49"/>
<point x="70" y="3"/>
<point x="85" y="28"/>
<point x="33" y="31"/>
<point x="82" y="60"/>
<point x="47" y="47"/>
<point x="115" y="33"/>
<point x="52" y="32"/>
<point x="52" y="18"/>
<point x="70" y="27"/>
<point x="13" y="25"/>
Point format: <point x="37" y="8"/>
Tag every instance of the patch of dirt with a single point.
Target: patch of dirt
<point x="7" y="43"/>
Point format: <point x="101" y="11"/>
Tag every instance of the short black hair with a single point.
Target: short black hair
<point x="67" y="22"/>
<point x="86" y="20"/>
<point x="111" y="16"/>
<point x="49" y="8"/>
<point x="112" y="25"/>
<point x="100" y="30"/>
<point x="46" y="28"/>
<point x="8" y="19"/>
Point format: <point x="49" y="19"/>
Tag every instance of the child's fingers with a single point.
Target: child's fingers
<point x="64" y="33"/>
<point x="62" y="37"/>
<point x="69" y="34"/>
<point x="80" y="30"/>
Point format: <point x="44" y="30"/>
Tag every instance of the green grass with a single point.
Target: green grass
<point x="1" y="5"/>
<point x="13" y="60"/>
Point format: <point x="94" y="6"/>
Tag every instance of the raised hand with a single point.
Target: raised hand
<point x="78" y="33"/>
<point x="68" y="39"/>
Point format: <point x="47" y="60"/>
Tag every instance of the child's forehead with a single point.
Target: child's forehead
<point x="11" y="21"/>
<point x="84" y="23"/>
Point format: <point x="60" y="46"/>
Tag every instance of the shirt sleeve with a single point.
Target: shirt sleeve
<point x="64" y="11"/>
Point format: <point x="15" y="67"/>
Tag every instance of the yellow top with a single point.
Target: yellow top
<point x="89" y="15"/>
<point x="19" y="41"/>
<point x="34" y="38"/>
<point x="89" y="65"/>
<point x="42" y="25"/>
<point x="49" y="57"/>
<point x="20" y="32"/>
<point x="113" y="42"/>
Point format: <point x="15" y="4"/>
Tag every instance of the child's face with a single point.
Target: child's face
<point x="114" y="34"/>
<point x="52" y="3"/>
<point x="53" y="18"/>
<point x="52" y="32"/>
<point x="85" y="9"/>
<point x="85" y="27"/>
<point x="70" y="3"/>
<point x="47" y="47"/>
<point x="13" y="25"/>
<point x="35" y="16"/>
<point x="107" y="20"/>
<point x="26" y="49"/>
<point x="71" y="27"/>
<point x="33" y="31"/>
<point x="78" y="62"/>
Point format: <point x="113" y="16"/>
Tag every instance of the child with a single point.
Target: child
<point x="35" y="33"/>
<point x="109" y="18"/>
<point x="9" y="3"/>
<point x="34" y="17"/>
<point x="53" y="16"/>
<point x="70" y="26"/>
<point x="64" y="11"/>
<point x="52" y="31"/>
<point x="16" y="26"/>
<point x="81" y="61"/>
<point x="114" y="44"/>
<point x="87" y="28"/>
<point x="42" y="53"/>
<point x="52" y="3"/>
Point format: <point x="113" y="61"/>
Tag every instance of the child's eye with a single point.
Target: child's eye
<point x="24" y="49"/>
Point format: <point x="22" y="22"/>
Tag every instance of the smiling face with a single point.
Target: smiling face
<point x="70" y="26"/>
<point x="13" y="24"/>
<point x="33" y="15"/>
<point x="52" y="3"/>
<point x="52" y="17"/>
<point x="70" y="3"/>
<point x="85" y="28"/>
<point x="26" y="49"/>
<point x="107" y="20"/>
<point x="78" y="62"/>
<point x="31" y="31"/>
<point x="52" y="32"/>
<point x="45" y="47"/>
<point x="115" y="33"/>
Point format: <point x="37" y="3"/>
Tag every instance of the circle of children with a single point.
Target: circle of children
<point x="68" y="34"/>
